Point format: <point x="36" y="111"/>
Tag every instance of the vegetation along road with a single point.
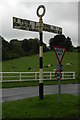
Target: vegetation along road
<point x="26" y="92"/>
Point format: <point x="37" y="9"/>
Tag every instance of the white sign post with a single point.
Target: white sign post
<point x="24" y="24"/>
<point x="59" y="50"/>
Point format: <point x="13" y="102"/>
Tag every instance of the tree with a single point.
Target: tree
<point x="16" y="48"/>
<point x="30" y="46"/>
<point x="61" y="40"/>
<point x="58" y="40"/>
<point x="5" y="51"/>
<point x="25" y="46"/>
<point x="68" y="44"/>
<point x="34" y="46"/>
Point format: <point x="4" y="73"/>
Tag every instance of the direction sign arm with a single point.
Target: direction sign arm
<point x="23" y="24"/>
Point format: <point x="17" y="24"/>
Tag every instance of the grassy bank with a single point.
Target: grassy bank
<point x="36" y="83"/>
<point x="30" y="63"/>
<point x="49" y="107"/>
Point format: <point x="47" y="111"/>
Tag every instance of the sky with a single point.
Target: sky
<point x="58" y="13"/>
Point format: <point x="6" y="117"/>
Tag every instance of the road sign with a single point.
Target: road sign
<point x="59" y="50"/>
<point x="58" y="74"/>
<point x="59" y="67"/>
<point x="23" y="24"/>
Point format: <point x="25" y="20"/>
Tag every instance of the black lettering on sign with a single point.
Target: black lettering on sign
<point x="59" y="50"/>
<point x="59" y="53"/>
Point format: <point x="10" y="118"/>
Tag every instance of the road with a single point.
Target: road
<point x="26" y="92"/>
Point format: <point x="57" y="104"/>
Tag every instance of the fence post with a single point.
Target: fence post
<point x="54" y="76"/>
<point x="1" y="77"/>
<point x="20" y="76"/>
<point x="50" y="75"/>
<point x="73" y="75"/>
<point x="62" y="75"/>
<point x="35" y="76"/>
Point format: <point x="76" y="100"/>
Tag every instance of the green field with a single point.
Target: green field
<point x="25" y="63"/>
<point x="49" y="107"/>
<point x="31" y="63"/>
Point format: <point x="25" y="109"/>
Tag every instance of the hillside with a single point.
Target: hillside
<point x="31" y="63"/>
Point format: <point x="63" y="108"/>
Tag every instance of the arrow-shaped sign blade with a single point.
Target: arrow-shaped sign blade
<point x="23" y="24"/>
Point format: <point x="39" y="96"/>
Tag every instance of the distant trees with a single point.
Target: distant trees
<point x="30" y="46"/>
<point x="16" y="48"/>
<point x="68" y="44"/>
<point x="77" y="49"/>
<point x="26" y="47"/>
<point x="61" y="40"/>
<point x="5" y="51"/>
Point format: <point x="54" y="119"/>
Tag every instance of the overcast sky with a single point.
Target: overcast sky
<point x="62" y="14"/>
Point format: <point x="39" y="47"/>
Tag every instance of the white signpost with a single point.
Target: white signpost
<point x="23" y="24"/>
<point x="60" y="51"/>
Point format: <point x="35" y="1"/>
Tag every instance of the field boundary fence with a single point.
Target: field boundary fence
<point x="33" y="76"/>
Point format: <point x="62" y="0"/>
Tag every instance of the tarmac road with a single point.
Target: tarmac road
<point x="26" y="92"/>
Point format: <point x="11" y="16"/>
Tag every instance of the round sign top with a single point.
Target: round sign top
<point x="58" y="74"/>
<point x="38" y="14"/>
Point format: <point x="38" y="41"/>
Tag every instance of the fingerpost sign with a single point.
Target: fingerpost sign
<point x="28" y="25"/>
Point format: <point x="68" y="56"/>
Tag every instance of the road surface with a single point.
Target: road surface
<point x="26" y="92"/>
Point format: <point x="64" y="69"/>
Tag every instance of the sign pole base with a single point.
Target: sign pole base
<point x="41" y="91"/>
<point x="59" y="91"/>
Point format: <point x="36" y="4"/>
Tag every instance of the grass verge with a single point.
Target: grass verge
<point x="36" y="83"/>
<point x="49" y="107"/>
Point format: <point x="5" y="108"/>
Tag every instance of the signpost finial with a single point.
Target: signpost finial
<point x="44" y="10"/>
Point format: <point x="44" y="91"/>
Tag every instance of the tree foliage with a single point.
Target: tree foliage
<point x="61" y="40"/>
<point x="16" y="48"/>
